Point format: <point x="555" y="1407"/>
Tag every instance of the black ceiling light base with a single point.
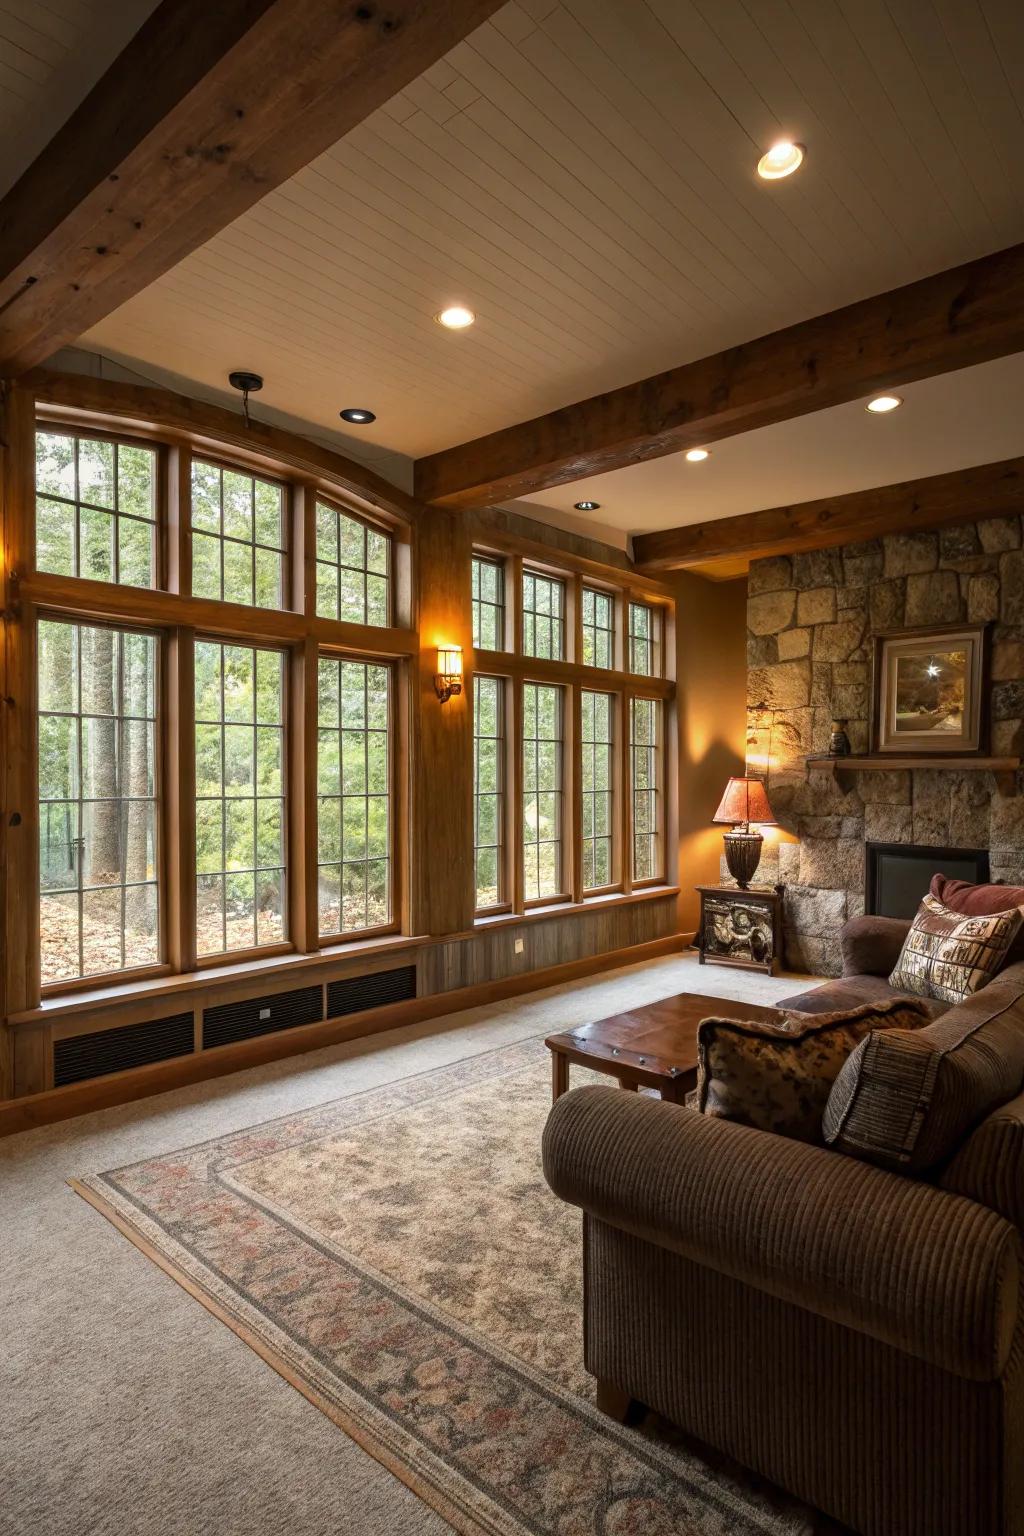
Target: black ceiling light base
<point x="249" y="384"/>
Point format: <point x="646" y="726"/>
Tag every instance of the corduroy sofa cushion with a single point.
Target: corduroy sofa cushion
<point x="850" y="991"/>
<point x="777" y="1077"/>
<point x="906" y="1099"/>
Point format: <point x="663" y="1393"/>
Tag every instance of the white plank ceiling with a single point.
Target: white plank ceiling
<point x="581" y="174"/>
<point x="51" y="54"/>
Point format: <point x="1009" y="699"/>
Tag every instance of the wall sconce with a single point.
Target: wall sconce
<point x="448" y="677"/>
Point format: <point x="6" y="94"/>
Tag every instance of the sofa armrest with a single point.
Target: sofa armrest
<point x="925" y="1271"/>
<point x="871" y="945"/>
<point x="989" y="1166"/>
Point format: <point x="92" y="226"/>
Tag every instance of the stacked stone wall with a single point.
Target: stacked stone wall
<point x="811" y="624"/>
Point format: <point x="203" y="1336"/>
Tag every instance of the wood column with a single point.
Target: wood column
<point x="19" y="823"/>
<point x="441" y="855"/>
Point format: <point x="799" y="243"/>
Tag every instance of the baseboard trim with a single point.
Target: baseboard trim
<point x="56" y="1104"/>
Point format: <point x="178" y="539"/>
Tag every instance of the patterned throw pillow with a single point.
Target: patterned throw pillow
<point x="948" y="956"/>
<point x="777" y="1077"/>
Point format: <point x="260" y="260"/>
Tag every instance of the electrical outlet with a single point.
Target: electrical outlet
<point x="520" y="946"/>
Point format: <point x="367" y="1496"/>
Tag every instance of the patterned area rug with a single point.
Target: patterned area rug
<point x="397" y="1256"/>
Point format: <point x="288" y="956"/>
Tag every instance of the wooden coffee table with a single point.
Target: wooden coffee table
<point x="650" y="1047"/>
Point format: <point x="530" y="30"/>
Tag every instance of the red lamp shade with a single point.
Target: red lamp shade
<point x="744" y="800"/>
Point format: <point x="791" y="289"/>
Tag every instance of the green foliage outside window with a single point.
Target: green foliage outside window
<point x="97" y="800"/>
<point x="353" y="568"/>
<point x="353" y="796"/>
<point x="241" y="896"/>
<point x="238" y="537"/>
<point x="96" y="509"/>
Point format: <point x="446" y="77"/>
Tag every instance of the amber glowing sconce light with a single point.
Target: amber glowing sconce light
<point x="448" y="677"/>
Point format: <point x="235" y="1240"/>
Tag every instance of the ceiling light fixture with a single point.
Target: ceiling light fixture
<point x="697" y="455"/>
<point x="781" y="160"/>
<point x="882" y="404"/>
<point x="455" y="318"/>
<point x="357" y="415"/>
<point x="249" y="384"/>
<point x="586" y="506"/>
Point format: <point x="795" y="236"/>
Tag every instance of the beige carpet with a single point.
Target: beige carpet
<point x="129" y="1408"/>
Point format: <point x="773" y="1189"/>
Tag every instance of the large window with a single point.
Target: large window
<point x="97" y="800"/>
<point x="543" y="616"/>
<point x="488" y="578"/>
<point x="238" y="537"/>
<point x="596" y="745"/>
<point x="488" y="790"/>
<point x="241" y="898"/>
<point x="354" y="796"/>
<point x="645" y="756"/>
<point x="353" y="568"/>
<point x="542" y="792"/>
<point x="644" y="640"/>
<point x="598" y="628"/>
<point x="96" y="508"/>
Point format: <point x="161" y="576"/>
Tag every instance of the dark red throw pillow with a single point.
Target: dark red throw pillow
<point x="981" y="901"/>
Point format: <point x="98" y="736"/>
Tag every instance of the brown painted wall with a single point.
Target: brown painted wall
<point x="711" y="679"/>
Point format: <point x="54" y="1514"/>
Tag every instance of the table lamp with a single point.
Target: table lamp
<point x="744" y="801"/>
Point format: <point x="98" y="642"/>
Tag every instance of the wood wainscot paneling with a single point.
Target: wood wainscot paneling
<point x="489" y="953"/>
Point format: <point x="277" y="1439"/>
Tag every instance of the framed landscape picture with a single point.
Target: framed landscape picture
<point x="929" y="691"/>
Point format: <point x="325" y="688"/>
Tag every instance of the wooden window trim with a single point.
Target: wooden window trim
<point x="178" y="617"/>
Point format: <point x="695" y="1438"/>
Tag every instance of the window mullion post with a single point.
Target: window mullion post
<point x="177" y="572"/>
<point x="514" y="759"/>
<point x="620" y="639"/>
<point x="574" y="818"/>
<point x="626" y="778"/>
<point x="178" y="748"/>
<point x="574" y="619"/>
<point x="514" y="605"/>
<point x="302" y="550"/>
<point x="303" y="918"/>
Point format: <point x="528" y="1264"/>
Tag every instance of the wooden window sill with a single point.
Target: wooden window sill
<point x="92" y="998"/>
<point x="574" y="908"/>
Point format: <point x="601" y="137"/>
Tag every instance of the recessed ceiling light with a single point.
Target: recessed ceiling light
<point x="883" y="403"/>
<point x="357" y="415"/>
<point x="455" y="318"/>
<point x="781" y="160"/>
<point x="697" y="455"/>
<point x="586" y="506"/>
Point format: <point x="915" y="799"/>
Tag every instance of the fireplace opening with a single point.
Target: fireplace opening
<point x="899" y="874"/>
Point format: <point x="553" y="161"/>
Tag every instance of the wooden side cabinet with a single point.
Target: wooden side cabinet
<point x="741" y="928"/>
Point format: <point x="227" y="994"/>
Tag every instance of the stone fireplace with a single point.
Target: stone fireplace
<point x="811" y="622"/>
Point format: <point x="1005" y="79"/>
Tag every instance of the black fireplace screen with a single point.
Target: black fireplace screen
<point x="899" y="874"/>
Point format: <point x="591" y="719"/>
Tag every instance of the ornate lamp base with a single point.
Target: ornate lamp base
<point x="743" y="855"/>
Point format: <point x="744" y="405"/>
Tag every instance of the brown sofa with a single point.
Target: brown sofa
<point x="855" y="1335"/>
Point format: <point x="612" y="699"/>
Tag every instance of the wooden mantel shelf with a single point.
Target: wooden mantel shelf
<point x="887" y="762"/>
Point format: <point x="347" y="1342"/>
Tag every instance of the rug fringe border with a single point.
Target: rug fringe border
<point x="421" y="1487"/>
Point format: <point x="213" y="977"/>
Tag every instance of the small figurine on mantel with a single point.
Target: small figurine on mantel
<point x="839" y="742"/>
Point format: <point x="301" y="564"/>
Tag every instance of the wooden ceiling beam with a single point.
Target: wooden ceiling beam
<point x="961" y="496"/>
<point x="208" y="108"/>
<point x="969" y="314"/>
